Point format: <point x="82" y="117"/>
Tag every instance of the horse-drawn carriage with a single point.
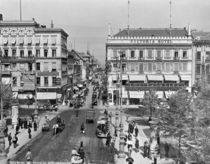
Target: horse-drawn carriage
<point x="59" y="126"/>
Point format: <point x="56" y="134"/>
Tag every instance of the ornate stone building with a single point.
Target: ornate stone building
<point x="34" y="59"/>
<point x="148" y="59"/>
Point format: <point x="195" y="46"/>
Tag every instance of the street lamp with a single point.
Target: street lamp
<point x="2" y="140"/>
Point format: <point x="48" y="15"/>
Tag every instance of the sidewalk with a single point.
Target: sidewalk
<point x="23" y="138"/>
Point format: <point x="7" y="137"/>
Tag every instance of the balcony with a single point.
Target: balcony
<point x="159" y="58"/>
<point x="154" y="86"/>
<point x="141" y="58"/>
<point x="17" y="59"/>
<point x="176" y="58"/>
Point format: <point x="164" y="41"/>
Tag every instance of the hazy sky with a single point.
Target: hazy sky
<point x="86" y="21"/>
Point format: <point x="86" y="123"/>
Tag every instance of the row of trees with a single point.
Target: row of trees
<point x="185" y="118"/>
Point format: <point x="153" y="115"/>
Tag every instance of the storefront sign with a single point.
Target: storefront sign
<point x="47" y="73"/>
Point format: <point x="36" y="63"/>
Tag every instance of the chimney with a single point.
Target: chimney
<point x="189" y="30"/>
<point x="1" y="17"/>
<point x="52" y="25"/>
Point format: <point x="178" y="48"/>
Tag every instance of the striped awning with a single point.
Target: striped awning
<point x="155" y="77"/>
<point x="171" y="77"/>
<point x="137" y="77"/>
<point x="185" y="77"/>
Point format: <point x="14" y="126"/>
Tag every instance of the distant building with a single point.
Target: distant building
<point x="150" y="59"/>
<point x="34" y="59"/>
<point x="201" y="49"/>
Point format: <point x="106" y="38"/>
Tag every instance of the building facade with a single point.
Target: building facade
<point x="148" y="59"/>
<point x="201" y="49"/>
<point x="34" y="59"/>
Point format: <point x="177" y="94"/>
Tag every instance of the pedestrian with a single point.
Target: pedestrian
<point x="29" y="133"/>
<point x="145" y="148"/>
<point x="130" y="147"/>
<point x="17" y="129"/>
<point x="14" y="140"/>
<point x="129" y="160"/>
<point x="81" y="151"/>
<point x="108" y="139"/>
<point x="35" y="126"/>
<point x="9" y="139"/>
<point x="166" y="147"/>
<point x="105" y="112"/>
<point x="115" y="132"/>
<point x="136" y="131"/>
<point x="82" y="128"/>
<point x="29" y="155"/>
<point x="6" y="131"/>
<point x="132" y="128"/>
<point x="129" y="127"/>
<point x="25" y="124"/>
<point x="137" y="145"/>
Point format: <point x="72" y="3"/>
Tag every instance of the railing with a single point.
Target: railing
<point x="158" y="58"/>
<point x="17" y="59"/>
<point x="155" y="86"/>
<point x="176" y="58"/>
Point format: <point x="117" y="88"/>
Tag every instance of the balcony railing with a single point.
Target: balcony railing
<point x="176" y="58"/>
<point x="158" y="58"/>
<point x="155" y="86"/>
<point x="17" y="59"/>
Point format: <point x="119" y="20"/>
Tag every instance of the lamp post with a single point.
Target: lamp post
<point x="2" y="140"/>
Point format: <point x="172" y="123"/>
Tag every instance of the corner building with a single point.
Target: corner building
<point x="149" y="59"/>
<point x="34" y="59"/>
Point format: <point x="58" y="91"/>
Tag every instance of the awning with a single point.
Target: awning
<point x="185" y="77"/>
<point x="136" y="94"/>
<point x="29" y="40"/>
<point x="37" y="40"/>
<point x="155" y="77"/>
<point x="5" y="41"/>
<point x="160" y="94"/>
<point x="13" y="40"/>
<point x="137" y="77"/>
<point x="169" y="93"/>
<point x="46" y="95"/>
<point x="21" y="40"/>
<point x="124" y="77"/>
<point x="171" y="77"/>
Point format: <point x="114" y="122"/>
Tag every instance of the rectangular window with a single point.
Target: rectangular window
<point x="13" y="53"/>
<point x="14" y="81"/>
<point x="38" y="82"/>
<point x="141" y="68"/>
<point x="208" y="55"/>
<point x="149" y="67"/>
<point x="198" y="69"/>
<point x="184" y="54"/>
<point x="30" y="53"/>
<point x="54" y="67"/>
<point x="185" y="67"/>
<point x="150" y="55"/>
<point x="154" y="67"/>
<point x="141" y="54"/>
<point x="159" y="54"/>
<point x="176" y="66"/>
<point x="6" y="67"/>
<point x="159" y="68"/>
<point x="38" y="66"/>
<point x="45" y="53"/>
<point x="208" y="79"/>
<point x="198" y="55"/>
<point x="176" y="55"/>
<point x="54" y="81"/>
<point x="6" y="53"/>
<point x="163" y="66"/>
<point x="45" y="66"/>
<point x="53" y="52"/>
<point x="21" y="53"/>
<point x="30" y="66"/>
<point x="168" y="66"/>
<point x="38" y="53"/>
<point x="132" y="68"/>
<point x="132" y="54"/>
<point x="167" y="54"/>
<point x="45" y="81"/>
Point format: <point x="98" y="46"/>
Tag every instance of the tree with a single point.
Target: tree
<point x="150" y="101"/>
<point x="174" y="120"/>
<point x="6" y="94"/>
<point x="198" y="137"/>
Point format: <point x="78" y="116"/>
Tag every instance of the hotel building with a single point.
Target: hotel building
<point x="148" y="59"/>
